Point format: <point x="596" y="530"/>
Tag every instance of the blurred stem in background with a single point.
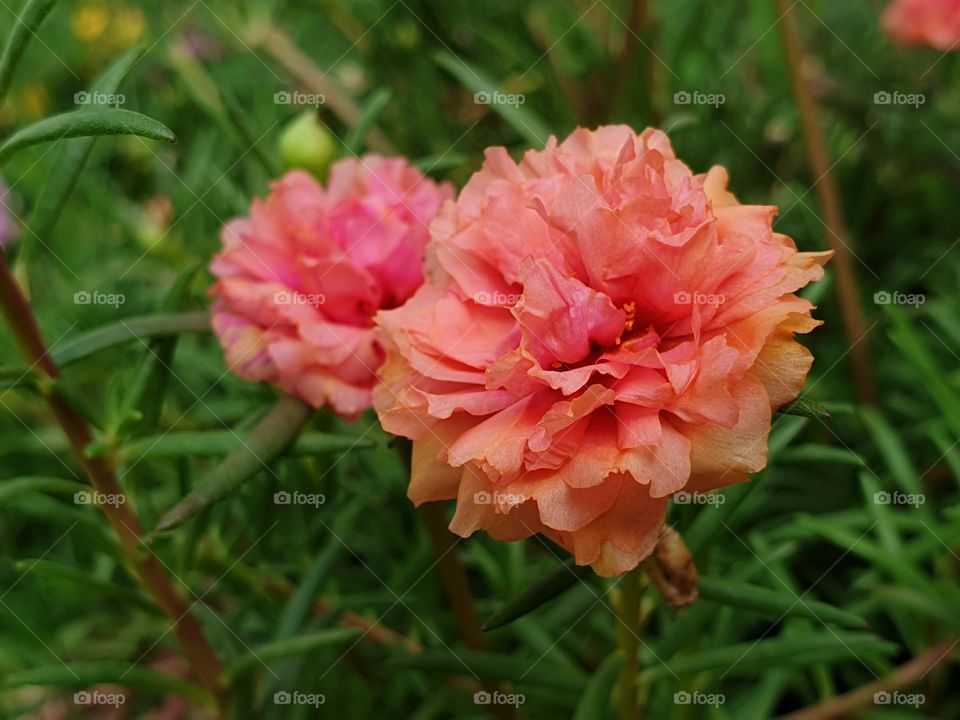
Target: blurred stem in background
<point x="828" y="197"/>
<point x="631" y="588"/>
<point x="634" y="64"/>
<point x="279" y="45"/>
<point x="145" y="565"/>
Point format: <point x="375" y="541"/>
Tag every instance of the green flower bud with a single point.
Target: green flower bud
<point x="306" y="143"/>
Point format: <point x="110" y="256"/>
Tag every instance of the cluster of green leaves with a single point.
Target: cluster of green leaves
<point x="809" y="587"/>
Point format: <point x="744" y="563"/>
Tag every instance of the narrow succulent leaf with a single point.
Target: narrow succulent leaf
<point x="271" y="436"/>
<point x="24" y="29"/>
<point x="215" y="443"/>
<point x="90" y="122"/>
<point x="521" y="119"/>
<point x="300" y="645"/>
<point x="752" y="657"/>
<point x="773" y="603"/>
<point x="123" y="331"/>
<point x="85" y="674"/>
<point x="538" y="593"/>
<point x="806" y="408"/>
<point x="496" y="666"/>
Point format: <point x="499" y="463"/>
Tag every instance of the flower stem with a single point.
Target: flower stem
<point x="145" y="565"/>
<point x="828" y="197"/>
<point x="632" y="587"/>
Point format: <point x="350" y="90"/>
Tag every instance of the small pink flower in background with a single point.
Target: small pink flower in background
<point x="600" y="330"/>
<point x="924" y="22"/>
<point x="301" y="278"/>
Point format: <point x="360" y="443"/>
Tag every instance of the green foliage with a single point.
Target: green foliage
<point x="836" y="564"/>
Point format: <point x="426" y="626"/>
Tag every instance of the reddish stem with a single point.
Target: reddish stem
<point x="145" y="565"/>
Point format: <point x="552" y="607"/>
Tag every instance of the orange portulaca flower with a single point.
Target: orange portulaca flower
<point x="600" y="329"/>
<point x="300" y="279"/>
<point x="934" y="23"/>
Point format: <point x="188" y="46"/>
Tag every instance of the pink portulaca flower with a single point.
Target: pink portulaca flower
<point x="300" y="280"/>
<point x="935" y="23"/>
<point x="600" y="330"/>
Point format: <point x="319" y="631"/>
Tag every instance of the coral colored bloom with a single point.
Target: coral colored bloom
<point x="300" y="280"/>
<point x="600" y="329"/>
<point x="924" y="22"/>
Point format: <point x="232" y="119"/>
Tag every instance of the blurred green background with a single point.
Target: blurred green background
<point x="401" y="76"/>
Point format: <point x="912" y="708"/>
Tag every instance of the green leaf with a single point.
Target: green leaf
<point x="124" y="331"/>
<point x="38" y="484"/>
<point x="814" y="453"/>
<point x="215" y="443"/>
<point x="85" y="674"/>
<point x="87" y="582"/>
<point x="755" y="657"/>
<point x="596" y="699"/>
<point x="495" y="666"/>
<point x="371" y="111"/>
<point x="72" y="157"/>
<point x="299" y="645"/>
<point x="89" y="122"/>
<point x="806" y="408"/>
<point x="516" y="116"/>
<point x="24" y="29"/>
<point x="773" y="603"/>
<point x="894" y="453"/>
<point x="140" y="408"/>
<point x="536" y="594"/>
<point x="272" y="435"/>
<point x="918" y="354"/>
